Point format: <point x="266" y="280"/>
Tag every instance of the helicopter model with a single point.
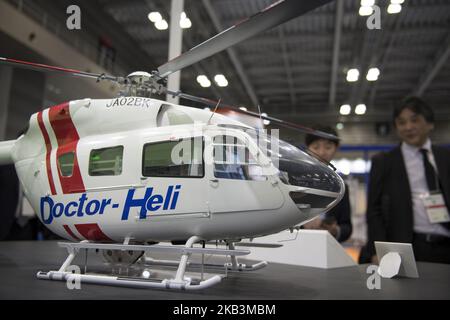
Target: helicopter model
<point x="118" y="175"/>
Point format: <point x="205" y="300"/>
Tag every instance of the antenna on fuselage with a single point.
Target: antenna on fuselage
<point x="214" y="112"/>
<point x="260" y="116"/>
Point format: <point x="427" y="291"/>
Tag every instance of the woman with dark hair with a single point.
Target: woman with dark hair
<point x="337" y="221"/>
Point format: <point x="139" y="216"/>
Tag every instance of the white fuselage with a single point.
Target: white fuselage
<point x="82" y="205"/>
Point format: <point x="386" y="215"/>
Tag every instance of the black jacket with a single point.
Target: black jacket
<point x="342" y="215"/>
<point x="389" y="208"/>
<point x="9" y="196"/>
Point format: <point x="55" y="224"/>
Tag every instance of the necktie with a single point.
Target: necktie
<point x="430" y="173"/>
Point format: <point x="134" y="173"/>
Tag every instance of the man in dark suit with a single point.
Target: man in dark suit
<point x="403" y="180"/>
<point x="9" y="197"/>
<point x="13" y="225"/>
<point x="337" y="221"/>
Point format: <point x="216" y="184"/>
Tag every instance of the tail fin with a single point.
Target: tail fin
<point x="6" y="152"/>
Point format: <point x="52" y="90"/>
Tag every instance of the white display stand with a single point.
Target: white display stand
<point x="311" y="248"/>
<point x="396" y="259"/>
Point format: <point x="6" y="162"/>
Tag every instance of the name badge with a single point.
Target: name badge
<point x="436" y="209"/>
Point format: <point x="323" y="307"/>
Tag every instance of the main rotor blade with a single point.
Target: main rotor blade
<point x="47" y="68"/>
<point x="282" y="123"/>
<point x="206" y="101"/>
<point x="286" y="124"/>
<point x="276" y="14"/>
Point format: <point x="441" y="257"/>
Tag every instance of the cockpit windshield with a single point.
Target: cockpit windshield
<point x="295" y="166"/>
<point x="305" y="171"/>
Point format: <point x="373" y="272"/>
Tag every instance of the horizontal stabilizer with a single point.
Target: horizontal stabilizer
<point x="6" y="152"/>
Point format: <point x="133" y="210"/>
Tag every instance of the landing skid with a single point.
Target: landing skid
<point x="177" y="280"/>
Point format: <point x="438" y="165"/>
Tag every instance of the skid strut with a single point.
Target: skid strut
<point x="180" y="281"/>
<point x="236" y="266"/>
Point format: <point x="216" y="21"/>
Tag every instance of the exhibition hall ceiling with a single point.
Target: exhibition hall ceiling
<point x="299" y="70"/>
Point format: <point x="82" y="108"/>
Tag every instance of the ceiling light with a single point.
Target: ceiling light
<point x="394" y="8"/>
<point x="345" y="109"/>
<point x="161" y="25"/>
<point x="185" y="22"/>
<point x="206" y="84"/>
<point x="367" y="3"/>
<point x="365" y="11"/>
<point x="221" y="80"/>
<point x="154" y="16"/>
<point x="265" y="122"/>
<point x="243" y="108"/>
<point x="340" y="126"/>
<point x="397" y="1"/>
<point x="203" y="81"/>
<point x="202" y="78"/>
<point x="352" y="75"/>
<point x="372" y="74"/>
<point x="360" y="109"/>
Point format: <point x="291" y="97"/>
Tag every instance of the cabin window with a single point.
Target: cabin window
<point x="180" y="158"/>
<point x="233" y="160"/>
<point x="65" y="164"/>
<point x="106" y="161"/>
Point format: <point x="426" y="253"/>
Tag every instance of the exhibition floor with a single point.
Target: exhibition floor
<point x="20" y="261"/>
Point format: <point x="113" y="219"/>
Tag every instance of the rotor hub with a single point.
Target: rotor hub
<point x="142" y="84"/>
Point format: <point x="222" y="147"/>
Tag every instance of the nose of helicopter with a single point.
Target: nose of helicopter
<point x="314" y="186"/>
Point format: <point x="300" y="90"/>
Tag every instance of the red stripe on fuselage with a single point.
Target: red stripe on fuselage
<point x="70" y="232"/>
<point x="92" y="231"/>
<point x="48" y="146"/>
<point x="67" y="137"/>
